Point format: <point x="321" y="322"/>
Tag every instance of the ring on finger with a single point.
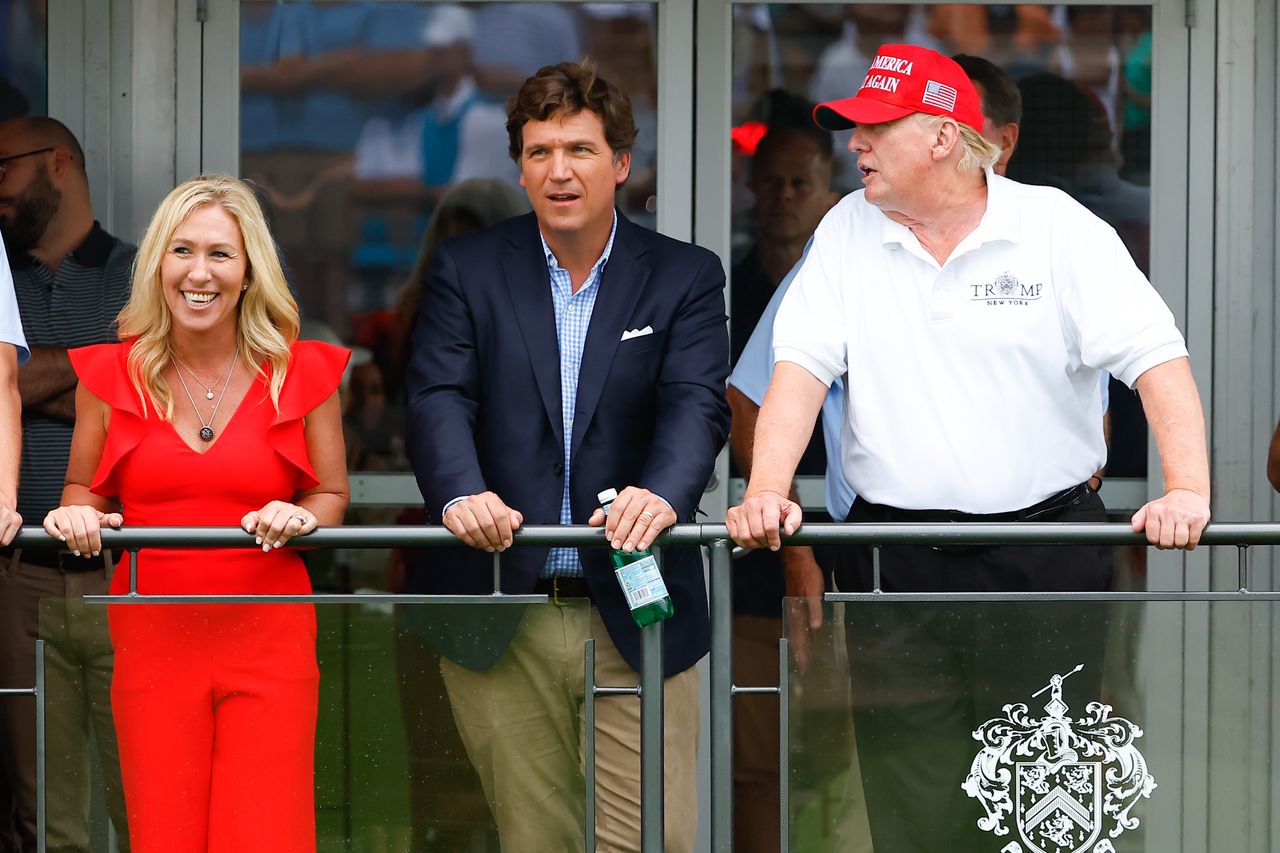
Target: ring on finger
<point x="646" y="514"/>
<point x="302" y="521"/>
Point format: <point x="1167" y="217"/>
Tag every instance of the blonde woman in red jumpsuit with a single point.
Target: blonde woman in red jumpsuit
<point x="210" y="412"/>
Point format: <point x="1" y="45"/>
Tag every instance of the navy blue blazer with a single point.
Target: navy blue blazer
<point x="483" y="400"/>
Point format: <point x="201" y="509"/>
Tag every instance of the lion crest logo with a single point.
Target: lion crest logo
<point x="1064" y="782"/>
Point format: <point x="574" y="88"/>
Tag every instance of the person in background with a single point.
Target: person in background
<point x="791" y="177"/>
<point x="71" y="279"/>
<point x="210" y="412"/>
<point x="1001" y="105"/>
<point x="557" y="355"/>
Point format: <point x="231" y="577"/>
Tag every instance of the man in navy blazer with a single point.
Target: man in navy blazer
<point x="556" y="355"/>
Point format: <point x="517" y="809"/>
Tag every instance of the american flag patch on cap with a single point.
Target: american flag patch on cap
<point x="939" y="95"/>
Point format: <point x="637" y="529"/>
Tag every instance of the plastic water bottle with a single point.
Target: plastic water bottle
<point x="638" y="575"/>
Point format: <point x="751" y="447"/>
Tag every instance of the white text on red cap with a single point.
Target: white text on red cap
<point x="892" y="63"/>
<point x="880" y="81"/>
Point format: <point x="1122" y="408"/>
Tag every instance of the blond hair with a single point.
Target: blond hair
<point x="979" y="153"/>
<point x="267" y="317"/>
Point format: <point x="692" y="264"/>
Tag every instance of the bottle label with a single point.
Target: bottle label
<point x="641" y="582"/>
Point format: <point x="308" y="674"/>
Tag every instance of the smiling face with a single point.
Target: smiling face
<point x="202" y="271"/>
<point x="570" y="173"/>
<point x="894" y="161"/>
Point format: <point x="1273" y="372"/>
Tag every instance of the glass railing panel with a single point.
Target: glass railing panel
<point x="1019" y="726"/>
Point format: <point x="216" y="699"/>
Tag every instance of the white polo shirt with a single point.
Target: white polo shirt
<point x="973" y="385"/>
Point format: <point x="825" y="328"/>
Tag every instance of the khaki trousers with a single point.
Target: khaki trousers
<point x="522" y="725"/>
<point x="38" y="602"/>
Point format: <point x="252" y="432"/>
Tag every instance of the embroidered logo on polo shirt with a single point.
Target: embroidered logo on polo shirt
<point x="1006" y="290"/>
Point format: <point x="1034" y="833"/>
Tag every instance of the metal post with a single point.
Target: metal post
<point x="875" y="568"/>
<point x="784" y="753"/>
<point x="497" y="572"/>
<point x="1243" y="557"/>
<point x="589" y="740"/>
<point x="41" y="821"/>
<point x="721" y="697"/>
<point x="652" y="789"/>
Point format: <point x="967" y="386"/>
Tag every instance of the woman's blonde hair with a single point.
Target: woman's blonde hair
<point x="979" y="154"/>
<point x="267" y="322"/>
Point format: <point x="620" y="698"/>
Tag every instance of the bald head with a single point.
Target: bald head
<point x="42" y="131"/>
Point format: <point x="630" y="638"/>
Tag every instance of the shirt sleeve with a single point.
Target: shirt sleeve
<point x="754" y="369"/>
<point x="1118" y="320"/>
<point x="10" y="320"/>
<point x="809" y="329"/>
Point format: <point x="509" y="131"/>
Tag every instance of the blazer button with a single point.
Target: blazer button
<point x="559" y="468"/>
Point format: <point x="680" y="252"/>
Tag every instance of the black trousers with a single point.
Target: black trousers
<point x="924" y="676"/>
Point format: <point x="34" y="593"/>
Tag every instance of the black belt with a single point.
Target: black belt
<point x="562" y="586"/>
<point x="1047" y="509"/>
<point x="63" y="561"/>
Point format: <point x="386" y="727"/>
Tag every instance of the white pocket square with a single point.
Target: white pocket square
<point x="636" y="333"/>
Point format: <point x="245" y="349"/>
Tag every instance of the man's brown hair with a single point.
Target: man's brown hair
<point x="566" y="90"/>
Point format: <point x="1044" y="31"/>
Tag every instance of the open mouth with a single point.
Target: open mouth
<point x="866" y="171"/>
<point x="563" y="197"/>
<point x="198" y="300"/>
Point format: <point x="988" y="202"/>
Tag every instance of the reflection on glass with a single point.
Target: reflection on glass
<point x="359" y="118"/>
<point x="24" y="50"/>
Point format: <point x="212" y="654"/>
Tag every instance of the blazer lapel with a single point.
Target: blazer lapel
<point x="625" y="277"/>
<point x="535" y="316"/>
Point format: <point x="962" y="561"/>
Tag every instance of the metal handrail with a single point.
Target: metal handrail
<point x="407" y="536"/>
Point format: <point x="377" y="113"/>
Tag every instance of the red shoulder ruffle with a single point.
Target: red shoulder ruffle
<point x="103" y="368"/>
<point x="315" y="369"/>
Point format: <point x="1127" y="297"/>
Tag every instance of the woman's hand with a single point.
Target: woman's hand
<point x="277" y="523"/>
<point x="80" y="527"/>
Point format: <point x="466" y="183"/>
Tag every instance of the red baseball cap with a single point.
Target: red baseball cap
<point x="905" y="79"/>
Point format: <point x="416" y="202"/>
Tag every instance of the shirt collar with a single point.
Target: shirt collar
<point x="553" y="264"/>
<point x="93" y="250"/>
<point x="999" y="220"/>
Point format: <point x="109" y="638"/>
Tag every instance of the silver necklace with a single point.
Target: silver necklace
<point x="208" y="389"/>
<point x="206" y="427"/>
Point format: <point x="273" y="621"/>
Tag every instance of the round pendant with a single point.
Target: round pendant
<point x="206" y="433"/>
<point x="208" y="395"/>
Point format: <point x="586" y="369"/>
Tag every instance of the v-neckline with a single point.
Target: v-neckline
<point x="217" y="439"/>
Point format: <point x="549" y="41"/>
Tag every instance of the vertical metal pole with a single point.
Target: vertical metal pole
<point x="497" y="572"/>
<point x="41" y="809"/>
<point x="721" y="697"/>
<point x="589" y="740"/>
<point x="784" y="752"/>
<point x="652" y="824"/>
<point x="875" y="568"/>
<point x="1243" y="558"/>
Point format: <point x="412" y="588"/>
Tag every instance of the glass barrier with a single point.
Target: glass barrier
<point x="391" y="771"/>
<point x="971" y="725"/>
<point x="24" y="58"/>
<point x="1007" y="726"/>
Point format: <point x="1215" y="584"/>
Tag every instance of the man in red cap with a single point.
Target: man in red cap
<point x="970" y="317"/>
